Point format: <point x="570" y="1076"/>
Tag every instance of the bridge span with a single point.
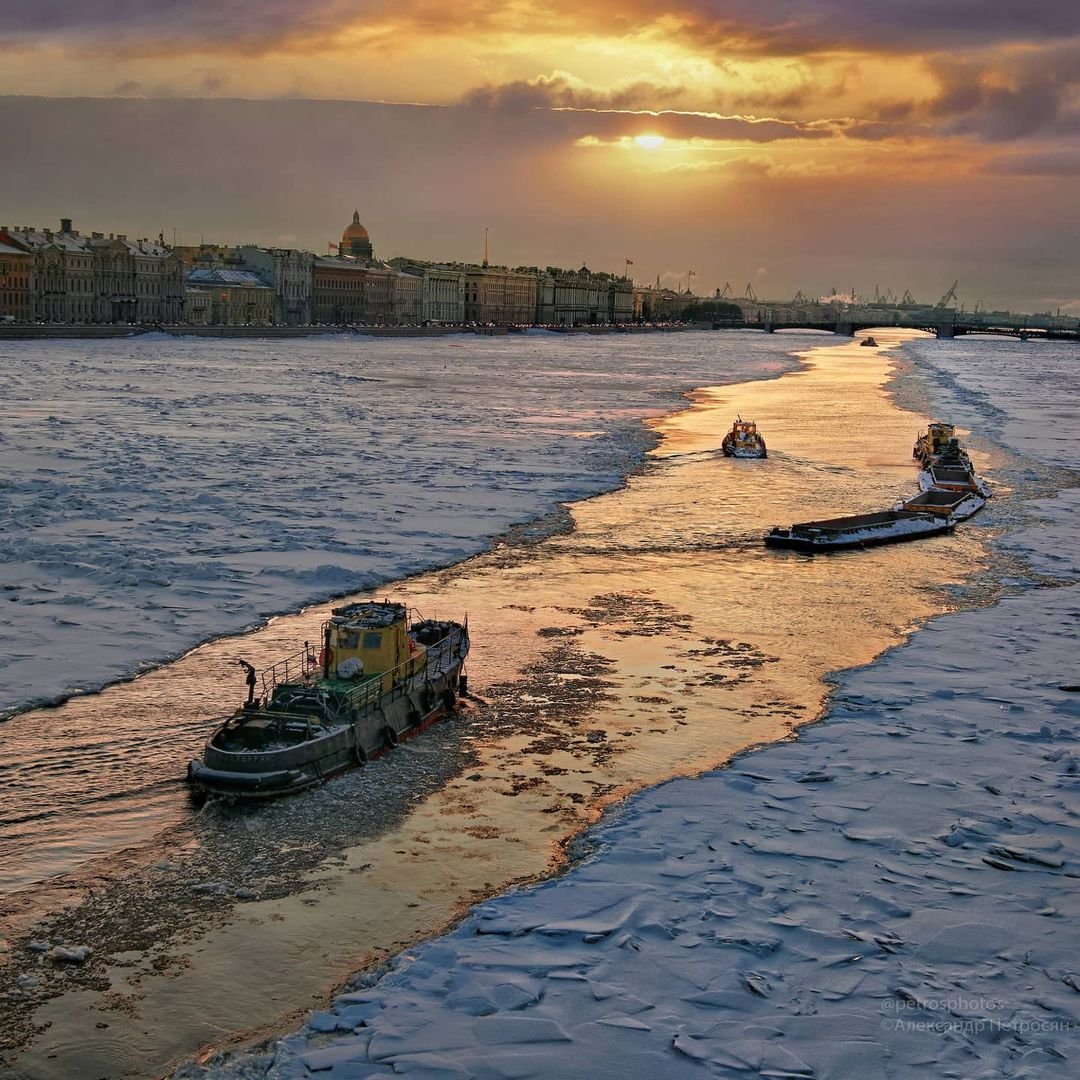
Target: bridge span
<point x="945" y="329"/>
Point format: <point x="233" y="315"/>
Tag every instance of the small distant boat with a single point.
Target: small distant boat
<point x="859" y="531"/>
<point x="869" y="341"/>
<point x="378" y="679"/>
<point x="743" y="441"/>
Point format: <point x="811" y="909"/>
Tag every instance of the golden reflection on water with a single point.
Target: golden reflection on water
<point x="698" y="641"/>
<point x="719" y="643"/>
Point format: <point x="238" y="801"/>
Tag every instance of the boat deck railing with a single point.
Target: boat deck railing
<point x="304" y="665"/>
<point x="297" y="668"/>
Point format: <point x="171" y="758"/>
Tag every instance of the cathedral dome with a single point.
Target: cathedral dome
<point x="354" y="231"/>
<point x="355" y="240"/>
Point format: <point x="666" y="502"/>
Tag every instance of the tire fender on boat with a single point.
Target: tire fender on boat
<point x="427" y="697"/>
<point x="360" y="754"/>
<point x="390" y="736"/>
<point x="449" y="699"/>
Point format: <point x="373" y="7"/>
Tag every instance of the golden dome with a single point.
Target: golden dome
<point x="355" y="231"/>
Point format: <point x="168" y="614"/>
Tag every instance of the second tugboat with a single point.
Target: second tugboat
<point x="937" y="437"/>
<point x="743" y="441"/>
<point x="947" y="477"/>
<point x="378" y="679"/>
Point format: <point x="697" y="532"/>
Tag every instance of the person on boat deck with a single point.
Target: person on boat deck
<point x="250" y="680"/>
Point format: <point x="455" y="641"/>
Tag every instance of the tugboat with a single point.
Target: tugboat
<point x="378" y="679"/>
<point x="934" y="440"/>
<point x="947" y="479"/>
<point x="743" y="441"/>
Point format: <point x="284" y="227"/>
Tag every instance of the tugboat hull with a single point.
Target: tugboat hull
<point x="730" y="450"/>
<point x="207" y="781"/>
<point x="314" y="727"/>
<point x="239" y="774"/>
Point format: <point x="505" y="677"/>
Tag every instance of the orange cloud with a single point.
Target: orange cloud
<point x="871" y="71"/>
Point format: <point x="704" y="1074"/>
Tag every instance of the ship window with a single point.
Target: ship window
<point x="372" y="641"/>
<point x="350" y="641"/>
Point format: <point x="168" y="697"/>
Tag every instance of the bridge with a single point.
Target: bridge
<point x="945" y="325"/>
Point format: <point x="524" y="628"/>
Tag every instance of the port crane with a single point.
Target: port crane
<point x="949" y="297"/>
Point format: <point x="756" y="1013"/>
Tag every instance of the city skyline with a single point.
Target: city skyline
<point x="814" y="146"/>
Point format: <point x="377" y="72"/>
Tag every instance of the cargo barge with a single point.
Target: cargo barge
<point x="859" y="531"/>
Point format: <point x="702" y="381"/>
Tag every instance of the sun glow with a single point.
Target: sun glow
<point x="649" y="142"/>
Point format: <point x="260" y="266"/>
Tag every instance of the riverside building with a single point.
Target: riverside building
<point x="98" y="279"/>
<point x="442" y="290"/>
<point x="228" y="298"/>
<point x="494" y="294"/>
<point x="16" y="268"/>
<point x="354" y="288"/>
<point x="582" y="298"/>
<point x="289" y="273"/>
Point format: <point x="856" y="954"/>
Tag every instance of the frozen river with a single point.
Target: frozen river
<point x="648" y="635"/>
<point x="154" y="493"/>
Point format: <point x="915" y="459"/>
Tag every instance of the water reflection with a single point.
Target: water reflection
<point x="656" y="637"/>
<point x="719" y="643"/>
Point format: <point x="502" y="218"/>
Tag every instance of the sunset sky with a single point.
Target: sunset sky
<point x="795" y="145"/>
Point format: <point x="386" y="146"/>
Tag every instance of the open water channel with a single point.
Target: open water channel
<point x="643" y="634"/>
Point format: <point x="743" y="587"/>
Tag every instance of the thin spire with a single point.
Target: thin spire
<point x="485" y="246"/>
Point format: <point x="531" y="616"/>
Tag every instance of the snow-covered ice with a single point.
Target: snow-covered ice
<point x="156" y="492"/>
<point x="890" y="895"/>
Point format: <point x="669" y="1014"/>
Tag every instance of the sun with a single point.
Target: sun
<point x="649" y="142"/>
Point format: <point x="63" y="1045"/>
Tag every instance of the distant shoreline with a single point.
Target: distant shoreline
<point x="26" y="332"/>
